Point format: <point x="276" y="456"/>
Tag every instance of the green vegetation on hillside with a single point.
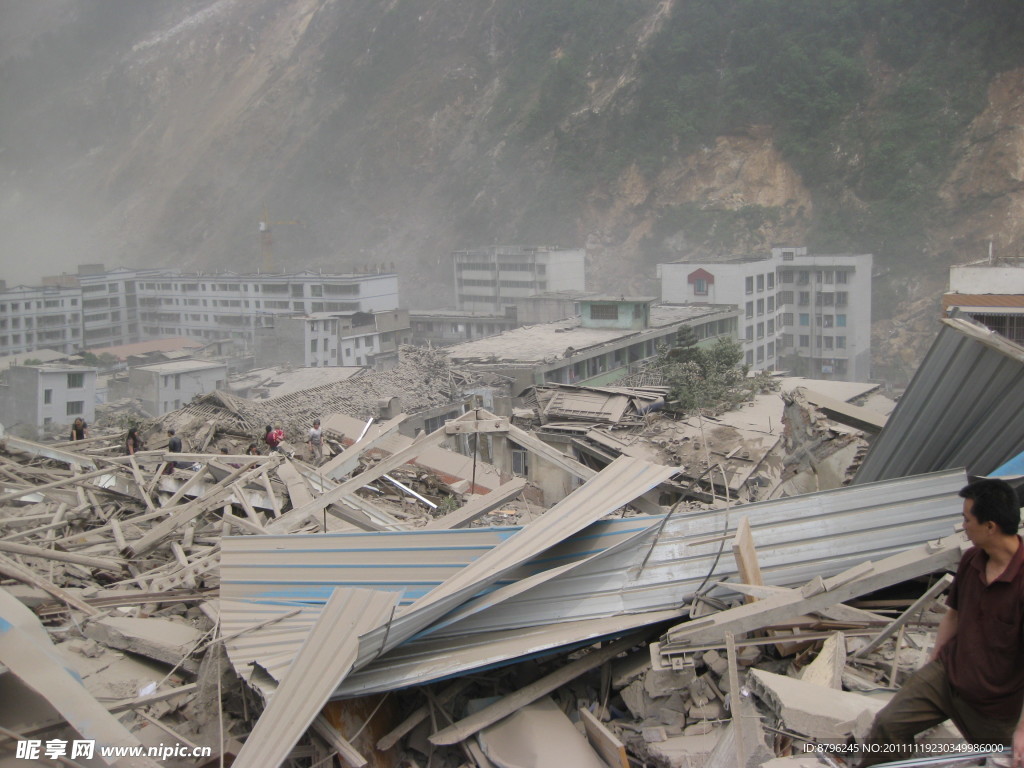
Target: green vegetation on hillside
<point x="862" y="96"/>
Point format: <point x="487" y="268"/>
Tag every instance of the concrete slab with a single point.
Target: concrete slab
<point x="160" y="639"/>
<point x="810" y="709"/>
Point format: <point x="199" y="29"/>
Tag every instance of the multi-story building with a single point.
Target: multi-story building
<point x="321" y="339"/>
<point x="991" y="292"/>
<point x="232" y="306"/>
<point x="38" y="396"/>
<point x="806" y="313"/>
<point x="100" y="308"/>
<point x="165" y="387"/>
<point x="489" y="279"/>
<point x="40" y="317"/>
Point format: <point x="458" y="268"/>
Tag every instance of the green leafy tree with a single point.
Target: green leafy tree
<point x="705" y="378"/>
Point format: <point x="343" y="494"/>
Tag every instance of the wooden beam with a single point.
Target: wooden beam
<point x="604" y="742"/>
<point x="923" y="602"/>
<point x="478" y="506"/>
<point x="510" y="704"/>
<point x="481" y="425"/>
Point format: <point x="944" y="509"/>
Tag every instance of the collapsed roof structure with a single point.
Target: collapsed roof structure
<point x="329" y="587"/>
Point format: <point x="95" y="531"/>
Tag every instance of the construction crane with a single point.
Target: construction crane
<point x="267" y="238"/>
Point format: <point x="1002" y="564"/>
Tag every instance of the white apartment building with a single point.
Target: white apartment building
<point x="489" y="279"/>
<point x="100" y="308"/>
<point x="322" y="339"/>
<point x="809" y="314"/>
<point x="165" y="387"/>
<point x="40" y="317"/>
<point x="38" y="396"/>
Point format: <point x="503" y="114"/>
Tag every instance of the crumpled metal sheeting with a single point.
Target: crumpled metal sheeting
<point x="963" y="408"/>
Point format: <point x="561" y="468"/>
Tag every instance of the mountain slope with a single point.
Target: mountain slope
<point x="145" y="133"/>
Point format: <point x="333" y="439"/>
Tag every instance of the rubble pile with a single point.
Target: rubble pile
<point x="401" y="604"/>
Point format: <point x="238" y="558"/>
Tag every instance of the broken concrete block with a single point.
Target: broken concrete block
<point x="160" y="639"/>
<point x="748" y="655"/>
<point x="672" y="717"/>
<point x="711" y="710"/>
<point x="827" y="668"/>
<point x="700" y="690"/>
<point x="810" y="709"/>
<point x="684" y="751"/>
<point x="639" y="703"/>
<point x="698" y="728"/>
<point x="654" y="734"/>
<point x="665" y="682"/>
<point x="713" y="659"/>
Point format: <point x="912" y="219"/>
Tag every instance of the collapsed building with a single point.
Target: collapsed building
<point x="696" y="591"/>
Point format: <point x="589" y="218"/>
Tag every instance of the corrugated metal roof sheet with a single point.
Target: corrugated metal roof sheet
<point x="323" y="660"/>
<point x="963" y="408"/>
<point x="612" y="568"/>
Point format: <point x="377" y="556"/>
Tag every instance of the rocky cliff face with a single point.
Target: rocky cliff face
<point x="394" y="132"/>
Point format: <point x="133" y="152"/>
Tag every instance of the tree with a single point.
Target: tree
<point x="705" y="378"/>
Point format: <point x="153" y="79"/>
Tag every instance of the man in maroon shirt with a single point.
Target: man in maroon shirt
<point x="976" y="673"/>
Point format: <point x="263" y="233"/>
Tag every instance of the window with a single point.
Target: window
<point x="75" y="407"/>
<point x="749" y="284"/>
<point x="842" y="298"/>
<point x="771" y="327"/>
<point x="760" y="330"/>
<point x="760" y="283"/>
<point x="760" y="354"/>
<point x="829" y="277"/>
<point x="805" y="298"/>
<point x="828" y="342"/>
<point x="750" y="309"/>
<point x="520" y="465"/>
<point x="785" y="297"/>
<point x="771" y="280"/>
<point x="805" y="318"/>
<point x="771" y="303"/>
<point x="805" y="340"/>
<point x="47" y="397"/>
<point x="312" y="345"/>
<point x="750" y="333"/>
<point x="803" y="277"/>
<point x="787" y="339"/>
<point x="786" y="276"/>
<point x="770" y="349"/>
<point x="76" y="381"/>
<point x="760" y="307"/>
<point x="840" y="342"/>
<point x="750" y="357"/>
<point x="787" y="318"/>
<point x="700" y="287"/>
<point x="604" y="312"/>
<point x="840" y="321"/>
<point x="842" y="277"/>
<point x="827" y="321"/>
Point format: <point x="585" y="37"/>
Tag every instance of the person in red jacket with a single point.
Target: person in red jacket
<point x="273" y="437"/>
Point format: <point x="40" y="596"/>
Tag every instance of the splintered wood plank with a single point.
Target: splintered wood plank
<point x="604" y="742"/>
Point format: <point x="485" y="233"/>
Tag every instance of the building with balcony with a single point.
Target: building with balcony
<point x="806" y="313"/>
<point x="489" y="279"/>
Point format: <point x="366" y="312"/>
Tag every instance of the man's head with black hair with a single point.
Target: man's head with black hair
<point x="994" y="500"/>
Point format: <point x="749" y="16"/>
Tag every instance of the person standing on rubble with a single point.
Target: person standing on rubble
<point x="173" y="446"/>
<point x="976" y="673"/>
<point x="316" y="442"/>
<point x="80" y="429"/>
<point x="133" y="443"/>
